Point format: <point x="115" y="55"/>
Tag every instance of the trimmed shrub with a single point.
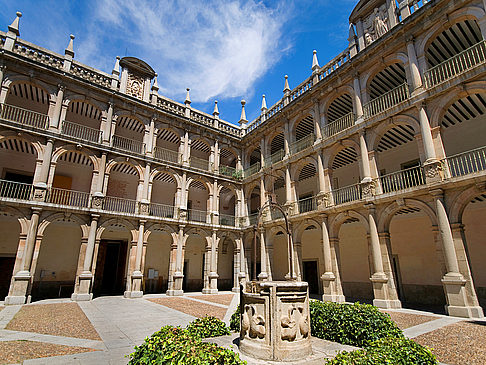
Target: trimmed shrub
<point x="351" y="324"/>
<point x="207" y="327"/>
<point x="235" y="320"/>
<point x="174" y="345"/>
<point x="387" y="351"/>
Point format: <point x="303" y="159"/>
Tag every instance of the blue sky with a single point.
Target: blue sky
<point x="223" y="50"/>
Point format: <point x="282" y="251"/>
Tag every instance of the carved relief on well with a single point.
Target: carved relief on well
<point x="376" y="24"/>
<point x="135" y="85"/>
<point x="253" y="321"/>
<point x="294" y="322"/>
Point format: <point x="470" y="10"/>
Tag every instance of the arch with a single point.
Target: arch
<point x="130" y="122"/>
<point x="127" y="161"/>
<point x="303" y="225"/>
<point x="342" y="217"/>
<point x="168" y="134"/>
<point x="83" y="224"/>
<point x="336" y="93"/>
<point x="297" y="168"/>
<point x="19" y="215"/>
<point x="389" y="212"/>
<point x="254" y="156"/>
<point x="228" y="156"/>
<point x="168" y="171"/>
<point x="400" y="120"/>
<point x="198" y="231"/>
<point x="161" y="227"/>
<point x="6" y="136"/>
<point x="59" y="151"/>
<point x="394" y="58"/>
<point x="334" y="150"/>
<point x="460" y="203"/>
<point x="202" y="146"/>
<point x="193" y="179"/>
<point x="339" y="106"/>
<point x="117" y="222"/>
<point x="302" y="127"/>
<point x="275" y="141"/>
<point x="21" y="85"/>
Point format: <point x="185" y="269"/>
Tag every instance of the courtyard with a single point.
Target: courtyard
<point x="106" y="329"/>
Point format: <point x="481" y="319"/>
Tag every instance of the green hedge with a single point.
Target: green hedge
<point x="235" y="320"/>
<point x="351" y="324"/>
<point x="387" y="351"/>
<point x="207" y="327"/>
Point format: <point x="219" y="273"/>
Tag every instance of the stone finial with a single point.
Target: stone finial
<point x="216" y="110"/>
<point x="188" y="98"/>
<point x="352" y="34"/>
<point x="315" y="62"/>
<point x="243" y="114"/>
<point x="14" y="27"/>
<point x="155" y="85"/>
<point x="264" y="104"/>
<point x="286" y="86"/>
<point x="69" y="51"/>
<point x="116" y="68"/>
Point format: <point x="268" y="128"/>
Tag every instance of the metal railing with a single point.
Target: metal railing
<point x="339" y="125"/>
<point x="276" y="214"/>
<point x="307" y="204"/>
<point x="195" y="215"/>
<point x="274" y="158"/>
<point x="68" y="197"/>
<point x="467" y="162"/>
<point x="199" y="163"/>
<point x="81" y="132"/>
<point x="252" y="218"/>
<point x="302" y="144"/>
<point x="166" y="155"/>
<point x="230" y="171"/>
<point x="161" y="210"/>
<point x="128" y="144"/>
<point x="456" y="65"/>
<point x="227" y="220"/>
<point x="253" y="169"/>
<point x="402" y="179"/>
<point x="24" y="116"/>
<point x="386" y="101"/>
<point x="115" y="204"/>
<point x="346" y="194"/>
<point x="15" y="190"/>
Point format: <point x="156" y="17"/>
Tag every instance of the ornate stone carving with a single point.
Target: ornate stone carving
<point x="39" y="194"/>
<point x="135" y="85"/>
<point x="253" y="323"/>
<point x="97" y="202"/>
<point x="376" y="25"/>
<point x="324" y="201"/>
<point x="368" y="189"/>
<point x="144" y="208"/>
<point x="289" y="324"/>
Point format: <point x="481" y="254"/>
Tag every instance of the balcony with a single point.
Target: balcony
<point x="15" y="190"/>
<point x="227" y="220"/>
<point x="195" y="215"/>
<point x="115" y="204"/>
<point x="252" y="218"/>
<point x="68" y="197"/>
<point x="403" y="179"/>
<point x="386" y="101"/>
<point x="467" y="162"/>
<point x="339" y="125"/>
<point x="276" y="214"/>
<point x="128" y="144"/>
<point x="24" y="116"/>
<point x="307" y="204"/>
<point x="166" y="155"/>
<point x="302" y="144"/>
<point x="161" y="210"/>
<point x="199" y="163"/>
<point x="457" y="65"/>
<point x="230" y="171"/>
<point x="274" y="158"/>
<point x="347" y="194"/>
<point x="253" y="169"/>
<point x="81" y="132"/>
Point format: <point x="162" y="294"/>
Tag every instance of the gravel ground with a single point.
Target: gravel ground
<point x="58" y="319"/>
<point x="224" y="299"/>
<point x="406" y="320"/>
<point x="191" y="307"/>
<point x="462" y="343"/>
<point x="18" y="351"/>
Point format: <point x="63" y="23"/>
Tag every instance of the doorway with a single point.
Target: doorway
<point x="6" y="267"/>
<point x="110" y="268"/>
<point x="311" y="276"/>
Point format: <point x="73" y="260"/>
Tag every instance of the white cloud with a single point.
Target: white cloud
<point x="217" y="48"/>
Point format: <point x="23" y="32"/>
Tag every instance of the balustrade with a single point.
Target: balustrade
<point x="252" y="218"/>
<point x="227" y="220"/>
<point x="199" y="163"/>
<point x="15" y="190"/>
<point x="38" y="54"/>
<point x="302" y="144"/>
<point x="161" y="210"/>
<point x="253" y="169"/>
<point x="402" y="179"/>
<point x="230" y="171"/>
<point x="339" y="125"/>
<point x="467" y="162"/>
<point x="166" y="155"/>
<point x="114" y="204"/>
<point x="195" y="215"/>
<point x="90" y="74"/>
<point x="24" y="116"/>
<point x="386" y="101"/>
<point x="347" y="194"/>
<point x="274" y="158"/>
<point x="170" y="106"/>
<point x="81" y="132"/>
<point x="68" y="197"/>
<point x="307" y="204"/>
<point x="128" y="144"/>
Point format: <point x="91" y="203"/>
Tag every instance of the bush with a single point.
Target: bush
<point x="207" y="327"/>
<point x="235" y="320"/>
<point x="351" y="324"/>
<point x="387" y="351"/>
<point x="174" y="345"/>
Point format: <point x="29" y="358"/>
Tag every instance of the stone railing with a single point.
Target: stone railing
<point x="90" y="74"/>
<point x="346" y="194"/>
<point x="128" y="144"/>
<point x="307" y="204"/>
<point x="274" y="158"/>
<point x="402" y="179"/>
<point x="276" y="214"/>
<point x="161" y="210"/>
<point x="122" y="205"/>
<point x="195" y="215"/>
<point x="15" y="190"/>
<point x="457" y="65"/>
<point x="333" y="65"/>
<point x="199" y="163"/>
<point x="467" y="162"/>
<point x="339" y="125"/>
<point x="164" y="154"/>
<point x="301" y="89"/>
<point x="229" y="128"/>
<point x="68" y="197"/>
<point x="2" y="39"/>
<point x="386" y="101"/>
<point x="171" y="106"/>
<point x="230" y="171"/>
<point x="80" y="132"/>
<point x="38" y="54"/>
<point x="302" y="144"/>
<point x="253" y="169"/>
<point x="24" y="116"/>
<point x="227" y="220"/>
<point x="201" y="118"/>
<point x="252" y="218"/>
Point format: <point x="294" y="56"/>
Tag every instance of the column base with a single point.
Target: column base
<point x="336" y="298"/>
<point x="263" y="276"/>
<point x="387" y="303"/>
<point x="210" y="291"/>
<point x="235" y="290"/>
<point x="465" y="312"/>
<point x="81" y="297"/>
<point x="133" y="294"/>
<point x="15" y="300"/>
<point x="174" y="293"/>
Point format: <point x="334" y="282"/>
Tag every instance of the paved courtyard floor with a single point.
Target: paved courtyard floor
<point x="106" y="329"/>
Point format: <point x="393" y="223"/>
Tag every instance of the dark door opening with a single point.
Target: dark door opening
<point x="110" y="268"/>
<point x="311" y="276"/>
<point x="398" y="278"/>
<point x="184" y="279"/>
<point x="6" y="268"/>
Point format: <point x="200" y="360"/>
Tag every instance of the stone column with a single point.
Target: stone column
<point x="367" y="184"/>
<point x="453" y="281"/>
<point x="236" y="268"/>
<point x="262" y="152"/>
<point x="107" y="129"/>
<point x="40" y="186"/>
<point x="263" y="276"/>
<point x="137" y="275"/>
<point x="86" y="277"/>
<point x="243" y="273"/>
<point x="416" y="80"/>
<point x="357" y="97"/>
<point x="386" y="254"/>
<point x="150" y="138"/>
<point x="286" y="138"/>
<point x="186" y="149"/>
<point x="378" y="277"/>
<point x="317" y="121"/>
<point x="177" y="257"/>
<point x="21" y="281"/>
<point x="432" y="166"/>
<point x="329" y="282"/>
<point x="55" y="120"/>
<point x="298" y="259"/>
<point x="213" y="264"/>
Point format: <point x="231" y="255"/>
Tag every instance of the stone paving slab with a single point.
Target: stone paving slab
<point x="7" y="314"/>
<point x="430" y="326"/>
<point x="7" y="335"/>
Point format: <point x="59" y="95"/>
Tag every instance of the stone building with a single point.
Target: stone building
<point x="378" y="157"/>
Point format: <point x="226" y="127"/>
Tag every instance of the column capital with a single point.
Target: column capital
<point x="437" y="193"/>
<point x="36" y="210"/>
<point x="409" y="39"/>
<point x="95" y="217"/>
